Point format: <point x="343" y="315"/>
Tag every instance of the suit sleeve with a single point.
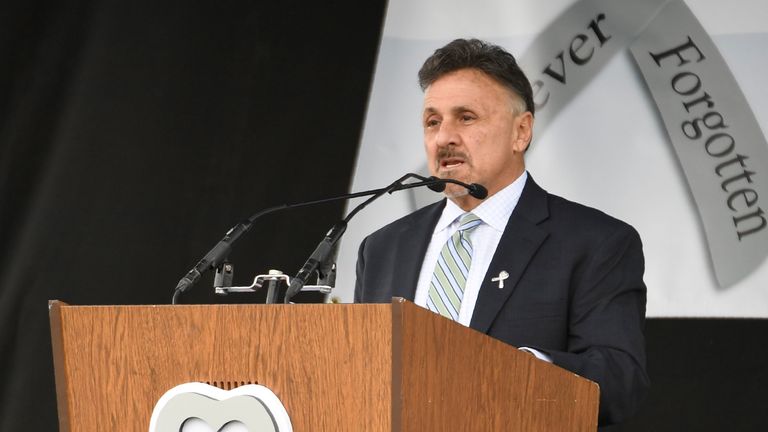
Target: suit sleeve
<point x="360" y="272"/>
<point x="606" y="324"/>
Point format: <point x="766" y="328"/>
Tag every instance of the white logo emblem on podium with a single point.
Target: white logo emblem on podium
<point x="198" y="407"/>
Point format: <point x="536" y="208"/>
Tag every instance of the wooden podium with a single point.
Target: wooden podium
<point x="346" y="367"/>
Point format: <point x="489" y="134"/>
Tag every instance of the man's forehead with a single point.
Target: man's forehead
<point x="465" y="89"/>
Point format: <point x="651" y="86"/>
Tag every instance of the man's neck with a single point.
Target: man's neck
<point x="467" y="202"/>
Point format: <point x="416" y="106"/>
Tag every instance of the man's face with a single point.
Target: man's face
<point x="472" y="134"/>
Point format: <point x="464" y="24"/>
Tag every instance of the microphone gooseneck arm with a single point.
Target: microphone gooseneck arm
<point x="475" y="190"/>
<point x="221" y="250"/>
<point x="326" y="246"/>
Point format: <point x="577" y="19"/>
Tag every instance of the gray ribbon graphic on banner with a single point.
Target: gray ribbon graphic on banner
<point x="715" y="134"/>
<point x="570" y="52"/>
<point x="716" y="137"/>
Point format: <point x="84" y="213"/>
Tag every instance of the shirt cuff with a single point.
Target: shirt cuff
<point x="538" y="354"/>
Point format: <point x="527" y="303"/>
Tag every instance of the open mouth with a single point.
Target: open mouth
<point x="451" y="163"/>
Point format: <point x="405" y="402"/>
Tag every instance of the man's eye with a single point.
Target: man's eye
<point x="431" y="123"/>
<point x="467" y="117"/>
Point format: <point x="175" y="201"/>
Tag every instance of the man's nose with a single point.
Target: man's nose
<point x="448" y="134"/>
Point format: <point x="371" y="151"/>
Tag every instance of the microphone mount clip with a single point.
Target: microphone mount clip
<point x="274" y="276"/>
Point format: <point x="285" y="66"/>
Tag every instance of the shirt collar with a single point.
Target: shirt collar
<point x="494" y="211"/>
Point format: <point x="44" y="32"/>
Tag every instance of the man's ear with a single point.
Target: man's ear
<point x="524" y="131"/>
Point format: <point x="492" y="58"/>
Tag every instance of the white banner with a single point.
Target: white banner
<point x="600" y="136"/>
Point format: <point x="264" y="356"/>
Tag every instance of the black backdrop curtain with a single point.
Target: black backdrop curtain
<point x="133" y="134"/>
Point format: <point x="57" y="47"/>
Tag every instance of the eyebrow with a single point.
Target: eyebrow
<point x="454" y="110"/>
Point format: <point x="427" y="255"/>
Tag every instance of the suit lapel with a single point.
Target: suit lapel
<point x="414" y="241"/>
<point x="521" y="239"/>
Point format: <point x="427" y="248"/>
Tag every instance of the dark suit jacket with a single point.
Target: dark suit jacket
<point x="575" y="288"/>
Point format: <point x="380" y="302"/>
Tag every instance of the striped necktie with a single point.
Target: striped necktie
<point x="450" y="277"/>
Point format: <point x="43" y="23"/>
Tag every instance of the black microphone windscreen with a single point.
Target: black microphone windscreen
<point x="478" y="191"/>
<point x="437" y="187"/>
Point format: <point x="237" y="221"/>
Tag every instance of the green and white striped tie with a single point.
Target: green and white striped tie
<point x="450" y="277"/>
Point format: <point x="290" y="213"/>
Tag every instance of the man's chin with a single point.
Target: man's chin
<point x="455" y="191"/>
<point x="455" y="174"/>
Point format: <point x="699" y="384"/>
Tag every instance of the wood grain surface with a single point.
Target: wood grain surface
<point x="454" y="378"/>
<point x="330" y="365"/>
<point x="344" y="367"/>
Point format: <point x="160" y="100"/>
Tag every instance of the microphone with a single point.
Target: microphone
<point x="326" y="246"/>
<point x="476" y="190"/>
<point x="439" y="186"/>
<point x="318" y="258"/>
<point x="221" y="250"/>
<point x="213" y="258"/>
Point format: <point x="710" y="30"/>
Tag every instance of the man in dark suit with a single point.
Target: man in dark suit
<point x="558" y="279"/>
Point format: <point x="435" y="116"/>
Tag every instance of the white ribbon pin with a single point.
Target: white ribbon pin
<point x="503" y="275"/>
